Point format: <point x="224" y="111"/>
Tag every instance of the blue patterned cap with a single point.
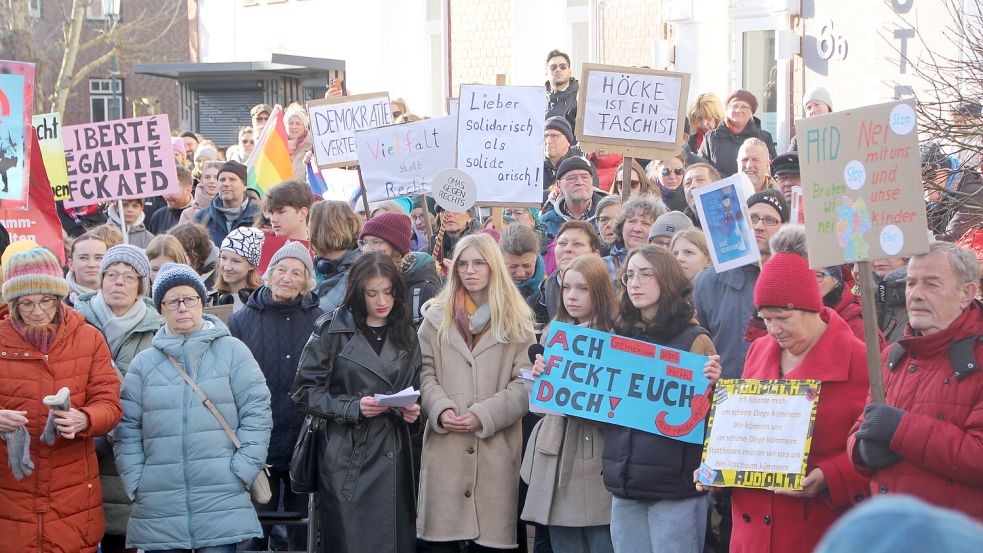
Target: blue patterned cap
<point x="176" y="274"/>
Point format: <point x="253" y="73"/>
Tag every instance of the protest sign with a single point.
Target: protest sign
<point x="724" y="218"/>
<point x="401" y="160"/>
<point x="632" y="111"/>
<point x="500" y="142"/>
<point x="119" y="160"/>
<point x="760" y="433"/>
<point x="48" y="128"/>
<point x="861" y="180"/>
<point x="454" y="190"/>
<point x="604" y="377"/>
<point x="16" y="105"/>
<point x="40" y="223"/>
<point x="334" y="121"/>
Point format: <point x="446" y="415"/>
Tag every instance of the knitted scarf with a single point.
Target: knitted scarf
<point x="75" y="289"/>
<point x="469" y="319"/>
<point x="117" y="328"/>
<point x="39" y="336"/>
<point x="294" y="143"/>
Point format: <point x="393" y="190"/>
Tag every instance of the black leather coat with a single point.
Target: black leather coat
<point x="366" y="490"/>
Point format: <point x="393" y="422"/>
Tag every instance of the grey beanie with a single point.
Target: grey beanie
<point x="295" y="250"/>
<point x="132" y="256"/>
<point x="668" y="224"/>
<point x="562" y="126"/>
<point x="818" y="93"/>
<point x="176" y="274"/>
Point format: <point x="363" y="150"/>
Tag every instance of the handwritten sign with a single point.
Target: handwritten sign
<point x="401" y="160"/>
<point x="16" y="104"/>
<point x="724" y="217"/>
<point x="500" y="142"/>
<point x="760" y="433"/>
<point x="454" y="190"/>
<point x="48" y="127"/>
<point x="632" y="111"/>
<point x="119" y="160"/>
<point x="605" y="377"/>
<point x="861" y="181"/>
<point x="334" y="121"/>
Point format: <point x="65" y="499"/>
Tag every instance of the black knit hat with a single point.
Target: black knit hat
<point x="773" y="198"/>
<point x="574" y="163"/>
<point x="562" y="126"/>
<point x="233" y="167"/>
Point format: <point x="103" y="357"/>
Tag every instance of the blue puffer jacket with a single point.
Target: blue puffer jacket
<point x="189" y="483"/>
<point x="216" y="223"/>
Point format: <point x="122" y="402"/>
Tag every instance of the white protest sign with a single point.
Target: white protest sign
<point x="633" y="111"/>
<point x="500" y="142"/>
<point x="334" y="121"/>
<point x="453" y="190"/>
<point x="400" y="160"/>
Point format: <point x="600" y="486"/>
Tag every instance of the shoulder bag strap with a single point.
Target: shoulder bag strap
<point x="207" y="402"/>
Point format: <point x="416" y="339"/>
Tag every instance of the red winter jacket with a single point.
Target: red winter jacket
<point x="606" y="167"/>
<point x="58" y="508"/>
<point x="767" y="522"/>
<point x="936" y="380"/>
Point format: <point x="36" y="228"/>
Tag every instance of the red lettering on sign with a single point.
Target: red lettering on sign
<point x="632" y="346"/>
<point x="700" y="407"/>
<point x="679" y="372"/>
<point x="559" y="338"/>
<point x="669" y="355"/>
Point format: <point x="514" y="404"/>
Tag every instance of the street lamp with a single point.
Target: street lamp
<point x="110" y="9"/>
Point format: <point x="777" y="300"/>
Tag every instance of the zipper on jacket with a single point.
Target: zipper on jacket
<point x="184" y="451"/>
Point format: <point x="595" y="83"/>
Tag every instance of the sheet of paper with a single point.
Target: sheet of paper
<point x="404" y="398"/>
<point x="528" y="380"/>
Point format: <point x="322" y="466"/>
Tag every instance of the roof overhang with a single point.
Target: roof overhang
<point x="283" y="64"/>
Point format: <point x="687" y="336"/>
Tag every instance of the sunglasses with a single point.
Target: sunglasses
<point x="677" y="171"/>
<point x="396" y="114"/>
<point x="556" y="66"/>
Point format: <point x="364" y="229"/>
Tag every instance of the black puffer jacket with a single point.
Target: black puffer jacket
<point x="641" y="465"/>
<point x="562" y="103"/>
<point x="366" y="492"/>
<point x="275" y="334"/>
<point x="720" y="146"/>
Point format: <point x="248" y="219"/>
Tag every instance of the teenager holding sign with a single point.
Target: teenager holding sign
<point x="563" y="460"/>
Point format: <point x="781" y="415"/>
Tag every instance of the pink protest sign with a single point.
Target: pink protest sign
<point x="119" y="160"/>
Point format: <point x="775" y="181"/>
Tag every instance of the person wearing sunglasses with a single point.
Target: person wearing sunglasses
<point x="561" y="87"/>
<point x="668" y="178"/>
<point x="720" y="145"/>
<point x="189" y="480"/>
<point x="640" y="183"/>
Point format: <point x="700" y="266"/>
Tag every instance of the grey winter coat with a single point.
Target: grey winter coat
<point x="189" y="483"/>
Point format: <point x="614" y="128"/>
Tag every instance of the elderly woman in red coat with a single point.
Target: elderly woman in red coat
<point x="805" y="340"/>
<point x="49" y="474"/>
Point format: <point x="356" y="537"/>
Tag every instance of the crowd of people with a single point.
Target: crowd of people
<point x="146" y="385"/>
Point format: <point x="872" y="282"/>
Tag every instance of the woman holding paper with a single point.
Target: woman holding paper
<point x="655" y="507"/>
<point x="562" y="464"/>
<point x="366" y="492"/>
<point x="805" y="341"/>
<point x="475" y="336"/>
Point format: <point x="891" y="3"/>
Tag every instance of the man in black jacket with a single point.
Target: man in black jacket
<point x="561" y="88"/>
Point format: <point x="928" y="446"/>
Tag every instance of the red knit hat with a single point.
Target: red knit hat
<point x="787" y="282"/>
<point x="392" y="227"/>
<point x="744" y="96"/>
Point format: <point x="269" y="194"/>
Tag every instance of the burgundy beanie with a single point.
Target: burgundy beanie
<point x="744" y="96"/>
<point x="392" y="227"/>
<point x="787" y="282"/>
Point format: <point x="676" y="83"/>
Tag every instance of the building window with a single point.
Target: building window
<point x="102" y="105"/>
<point x="34" y="9"/>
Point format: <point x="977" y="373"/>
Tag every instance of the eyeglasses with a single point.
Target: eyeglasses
<point x="641" y="277"/>
<point x="679" y="171"/>
<point x="27" y="307"/>
<point x="787" y="178"/>
<point x="767" y="221"/>
<point x="635" y="184"/>
<point x="820" y="275"/>
<point x="581" y="177"/>
<point x="477" y="265"/>
<point x="553" y="136"/>
<point x="128" y="278"/>
<point x="739" y="106"/>
<point x="371" y="243"/>
<point x="262" y="118"/>
<point x="515" y="213"/>
<point x="189" y="302"/>
<point x="556" y="66"/>
<point x="603" y="220"/>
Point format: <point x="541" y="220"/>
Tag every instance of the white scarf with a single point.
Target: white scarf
<point x="117" y="328"/>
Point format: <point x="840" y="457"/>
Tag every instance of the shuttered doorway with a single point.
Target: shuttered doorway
<point x="221" y="113"/>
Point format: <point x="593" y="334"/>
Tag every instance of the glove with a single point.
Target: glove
<point x="19" y="452"/>
<point x="61" y="401"/>
<point x="880" y="422"/>
<point x="876" y="455"/>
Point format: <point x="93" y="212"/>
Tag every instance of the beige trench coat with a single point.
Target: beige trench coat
<point x="469" y="482"/>
<point x="563" y="469"/>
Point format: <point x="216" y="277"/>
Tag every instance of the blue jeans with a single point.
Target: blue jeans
<point x="227" y="548"/>
<point x="588" y="539"/>
<point x="664" y="526"/>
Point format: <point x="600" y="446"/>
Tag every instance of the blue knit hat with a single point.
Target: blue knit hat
<point x="176" y="274"/>
<point x="132" y="256"/>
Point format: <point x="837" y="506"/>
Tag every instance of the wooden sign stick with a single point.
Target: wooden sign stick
<point x="626" y="179"/>
<point x="426" y="215"/>
<point x="869" y="312"/>
<point x="365" y="193"/>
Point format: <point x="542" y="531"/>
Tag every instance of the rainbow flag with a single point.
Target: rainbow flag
<point x="270" y="163"/>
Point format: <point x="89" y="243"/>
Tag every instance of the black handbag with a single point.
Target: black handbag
<point x="304" y="464"/>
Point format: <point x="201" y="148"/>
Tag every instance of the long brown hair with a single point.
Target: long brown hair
<point x="675" y="309"/>
<point x="602" y="294"/>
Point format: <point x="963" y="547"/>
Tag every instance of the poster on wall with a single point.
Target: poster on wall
<point x="16" y="105"/>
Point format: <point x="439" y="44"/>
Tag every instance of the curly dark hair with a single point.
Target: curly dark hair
<point x="196" y="242"/>
<point x="675" y="306"/>
<point x="399" y="323"/>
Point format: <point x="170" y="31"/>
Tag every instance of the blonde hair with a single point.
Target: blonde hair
<point x="705" y="106"/>
<point x="511" y="318"/>
<point x="167" y="245"/>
